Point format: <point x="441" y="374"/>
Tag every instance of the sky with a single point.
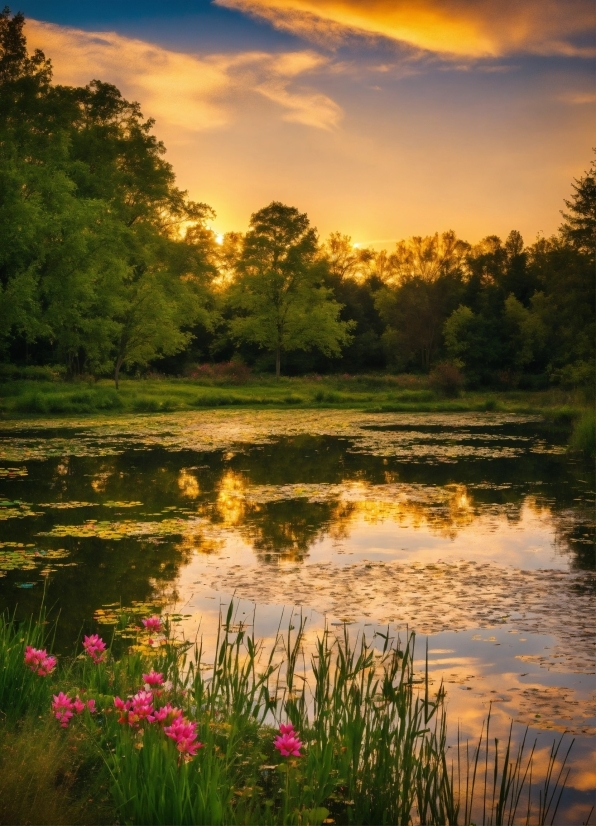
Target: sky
<point x="379" y="118"/>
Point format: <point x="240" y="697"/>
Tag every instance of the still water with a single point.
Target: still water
<point x="474" y="530"/>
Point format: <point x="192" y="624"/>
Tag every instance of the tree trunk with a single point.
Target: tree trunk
<point x="277" y="363"/>
<point x="117" y="372"/>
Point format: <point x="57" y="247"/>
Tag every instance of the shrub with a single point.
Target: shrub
<point x="447" y="379"/>
<point x="234" y="372"/>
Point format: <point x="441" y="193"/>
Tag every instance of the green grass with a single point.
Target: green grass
<point x="583" y="436"/>
<point x="374" y="739"/>
<point x="375" y="393"/>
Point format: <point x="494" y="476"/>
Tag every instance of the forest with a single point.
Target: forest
<point x="107" y="267"/>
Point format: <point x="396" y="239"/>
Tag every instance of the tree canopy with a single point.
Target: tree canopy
<point x="106" y="265"/>
<point x="281" y="301"/>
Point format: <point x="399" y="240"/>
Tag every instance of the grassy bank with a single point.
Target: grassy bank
<point x="163" y="734"/>
<point x="375" y="393"/>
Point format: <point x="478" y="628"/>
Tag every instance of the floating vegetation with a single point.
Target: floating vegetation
<point x="13" y="472"/>
<point x="432" y="598"/>
<point x="15" y="556"/>
<point x="16" y="509"/>
<point x="113" y="613"/>
<point x="121" y="504"/>
<point x="67" y="505"/>
<point x="119" y="530"/>
<point x="445" y="437"/>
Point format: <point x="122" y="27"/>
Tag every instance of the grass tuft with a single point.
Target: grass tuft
<point x="583" y="435"/>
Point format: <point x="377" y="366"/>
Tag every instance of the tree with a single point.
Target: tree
<point x="345" y="259"/>
<point x="103" y="260"/>
<point x="278" y="294"/>
<point x="423" y="286"/>
<point x="579" y="227"/>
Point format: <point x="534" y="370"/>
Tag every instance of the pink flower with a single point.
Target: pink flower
<point x="287" y="729"/>
<point x="141" y="708"/>
<point x="288" y="744"/>
<point x="123" y="707"/>
<point x="78" y="706"/>
<point x="184" y="734"/>
<point x="95" y="647"/>
<point x="62" y="708"/>
<point x="153" y="678"/>
<point x="37" y="659"/>
<point x="152" y="623"/>
<point x="165" y="715"/>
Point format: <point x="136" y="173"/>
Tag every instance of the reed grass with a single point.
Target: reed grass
<point x="583" y="435"/>
<point x="374" y="734"/>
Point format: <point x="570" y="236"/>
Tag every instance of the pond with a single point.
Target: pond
<point x="474" y="530"/>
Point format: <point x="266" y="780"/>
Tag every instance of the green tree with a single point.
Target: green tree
<point x="278" y="294"/>
<point x="579" y="227"/>
<point x="163" y="296"/>
<point x="103" y="260"/>
<point x="423" y="286"/>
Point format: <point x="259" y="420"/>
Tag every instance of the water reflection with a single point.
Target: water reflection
<point x="476" y="530"/>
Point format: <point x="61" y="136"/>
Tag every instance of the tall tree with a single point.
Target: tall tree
<point x="281" y="302"/>
<point x="102" y="258"/>
<point x="579" y="226"/>
<point x="423" y="286"/>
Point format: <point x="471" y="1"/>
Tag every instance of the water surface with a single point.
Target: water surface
<point x="474" y="530"/>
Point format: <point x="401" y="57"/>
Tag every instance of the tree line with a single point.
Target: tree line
<point x="105" y="264"/>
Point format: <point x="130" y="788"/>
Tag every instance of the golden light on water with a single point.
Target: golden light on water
<point x="188" y="484"/>
<point x="230" y="499"/>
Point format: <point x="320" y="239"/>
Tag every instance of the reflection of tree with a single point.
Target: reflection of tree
<point x="230" y="505"/>
<point x="188" y="484"/>
<point x="287" y="529"/>
<point x="446" y="517"/>
<point x="574" y="531"/>
<point x="105" y="572"/>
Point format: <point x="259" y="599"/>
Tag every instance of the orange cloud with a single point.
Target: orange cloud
<point x="462" y="28"/>
<point x="186" y="90"/>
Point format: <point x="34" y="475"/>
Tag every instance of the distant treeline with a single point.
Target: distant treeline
<point x="106" y="265"/>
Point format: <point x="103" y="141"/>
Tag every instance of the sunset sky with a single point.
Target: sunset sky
<point x="379" y="118"/>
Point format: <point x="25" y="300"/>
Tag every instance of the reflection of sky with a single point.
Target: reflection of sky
<point x="459" y="114"/>
<point x="527" y="543"/>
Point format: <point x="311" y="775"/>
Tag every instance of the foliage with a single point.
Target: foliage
<point x="282" y="303"/>
<point x="447" y="379"/>
<point x="579" y="227"/>
<point x="107" y="265"/>
<point x="93" y="266"/>
<point x="421" y="289"/>
<point x="234" y="372"/>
